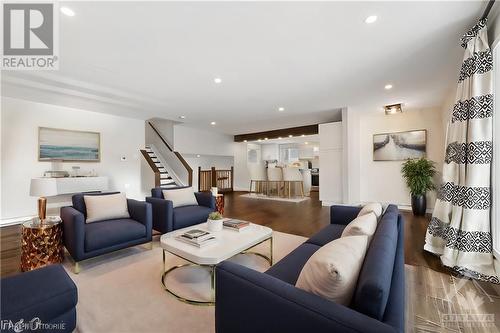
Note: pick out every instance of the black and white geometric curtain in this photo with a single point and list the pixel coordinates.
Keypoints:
(460, 229)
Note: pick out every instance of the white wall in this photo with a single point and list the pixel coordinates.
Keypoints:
(241, 173)
(188, 140)
(164, 126)
(120, 137)
(350, 156)
(381, 180)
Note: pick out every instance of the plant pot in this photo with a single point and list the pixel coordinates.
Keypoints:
(418, 205)
(215, 225)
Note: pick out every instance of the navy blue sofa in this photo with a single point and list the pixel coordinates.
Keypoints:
(46, 295)
(87, 240)
(249, 301)
(166, 218)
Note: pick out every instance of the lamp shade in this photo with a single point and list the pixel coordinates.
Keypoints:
(43, 187)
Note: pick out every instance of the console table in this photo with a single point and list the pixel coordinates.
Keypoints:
(69, 185)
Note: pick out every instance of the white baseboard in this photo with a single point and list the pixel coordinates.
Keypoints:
(331, 203)
(15, 220)
(400, 207)
(408, 208)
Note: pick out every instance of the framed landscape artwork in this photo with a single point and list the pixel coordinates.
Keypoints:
(68, 145)
(399, 146)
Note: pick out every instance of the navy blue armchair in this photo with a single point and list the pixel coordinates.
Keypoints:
(87, 240)
(166, 218)
(45, 296)
(248, 301)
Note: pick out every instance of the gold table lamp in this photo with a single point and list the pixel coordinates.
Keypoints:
(42, 188)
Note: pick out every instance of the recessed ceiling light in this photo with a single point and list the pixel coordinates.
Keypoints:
(371, 19)
(388, 86)
(182, 117)
(281, 109)
(198, 155)
(306, 143)
(245, 141)
(67, 11)
(217, 80)
(266, 139)
(303, 135)
(279, 137)
(290, 136)
(213, 123)
(259, 140)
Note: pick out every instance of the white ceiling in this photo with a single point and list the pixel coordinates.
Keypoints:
(146, 59)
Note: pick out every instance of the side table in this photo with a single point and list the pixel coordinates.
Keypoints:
(41, 243)
(219, 203)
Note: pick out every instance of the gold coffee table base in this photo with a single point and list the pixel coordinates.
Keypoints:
(211, 269)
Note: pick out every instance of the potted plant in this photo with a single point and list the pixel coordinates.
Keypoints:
(418, 175)
(215, 221)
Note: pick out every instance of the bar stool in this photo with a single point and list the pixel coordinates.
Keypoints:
(274, 177)
(258, 175)
(293, 176)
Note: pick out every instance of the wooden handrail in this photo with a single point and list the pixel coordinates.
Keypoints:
(179, 156)
(186, 165)
(222, 179)
(161, 136)
(153, 167)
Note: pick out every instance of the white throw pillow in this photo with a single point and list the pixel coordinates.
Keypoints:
(332, 271)
(362, 225)
(106, 207)
(181, 196)
(374, 207)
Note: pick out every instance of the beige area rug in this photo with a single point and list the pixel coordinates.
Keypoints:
(122, 291)
(437, 302)
(265, 197)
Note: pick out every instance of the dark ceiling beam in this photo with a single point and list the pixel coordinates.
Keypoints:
(275, 134)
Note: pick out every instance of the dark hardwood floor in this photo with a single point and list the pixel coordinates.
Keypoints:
(304, 219)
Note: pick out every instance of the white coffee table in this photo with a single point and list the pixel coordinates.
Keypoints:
(229, 243)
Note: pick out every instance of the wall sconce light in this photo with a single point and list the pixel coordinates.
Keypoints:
(393, 109)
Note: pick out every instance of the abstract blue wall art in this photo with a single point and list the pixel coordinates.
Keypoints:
(68, 145)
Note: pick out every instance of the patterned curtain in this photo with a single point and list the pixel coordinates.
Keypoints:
(459, 231)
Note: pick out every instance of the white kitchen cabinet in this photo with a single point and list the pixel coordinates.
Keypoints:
(306, 152)
(330, 163)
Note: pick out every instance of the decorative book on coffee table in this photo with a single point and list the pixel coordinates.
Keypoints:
(236, 225)
(197, 237)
